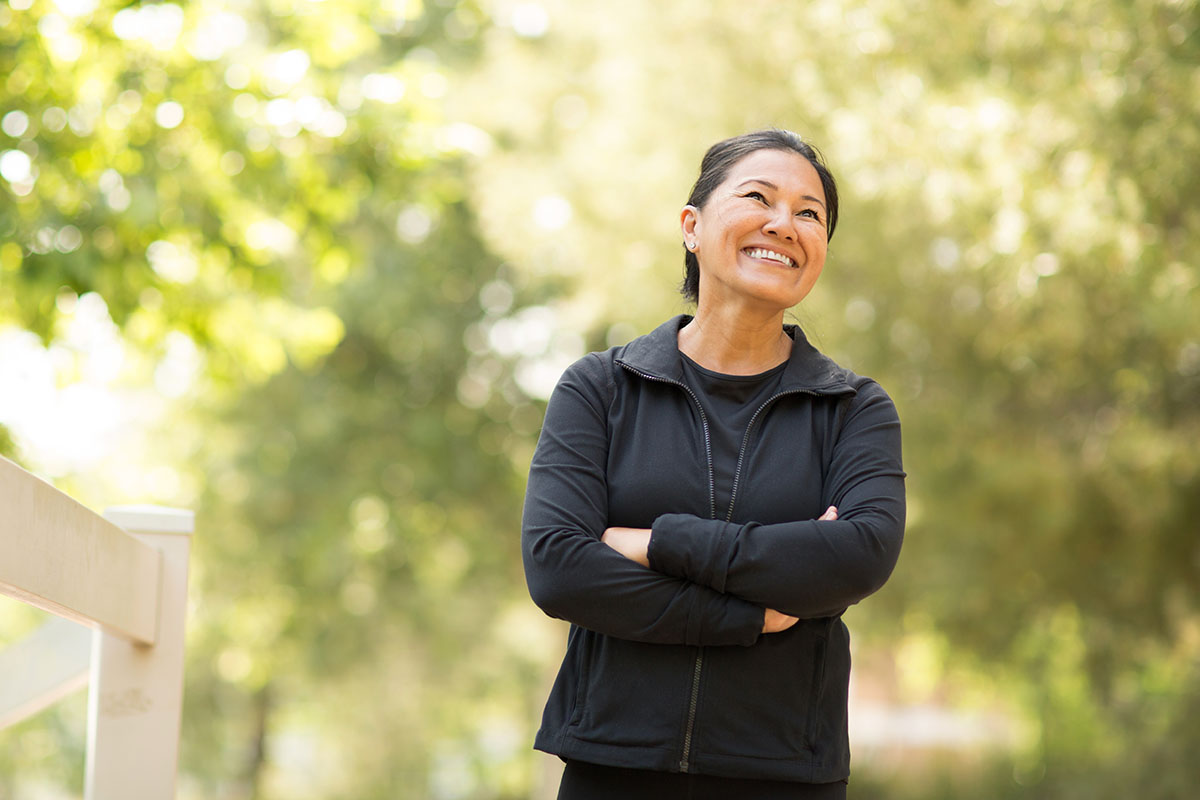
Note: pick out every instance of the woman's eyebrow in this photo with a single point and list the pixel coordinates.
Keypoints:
(770, 185)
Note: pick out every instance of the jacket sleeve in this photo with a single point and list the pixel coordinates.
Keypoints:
(807, 568)
(574, 576)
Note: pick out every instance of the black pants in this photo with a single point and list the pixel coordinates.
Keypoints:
(584, 781)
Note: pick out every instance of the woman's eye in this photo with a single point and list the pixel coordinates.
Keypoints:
(812, 214)
(756, 196)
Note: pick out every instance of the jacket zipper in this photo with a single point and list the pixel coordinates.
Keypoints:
(694, 701)
(737, 474)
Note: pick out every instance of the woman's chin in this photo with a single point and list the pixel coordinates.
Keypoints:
(774, 296)
(759, 291)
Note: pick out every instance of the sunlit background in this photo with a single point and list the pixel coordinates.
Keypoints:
(312, 268)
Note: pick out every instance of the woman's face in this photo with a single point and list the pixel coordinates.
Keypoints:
(761, 236)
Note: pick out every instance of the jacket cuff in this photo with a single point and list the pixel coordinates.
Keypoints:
(689, 547)
(734, 622)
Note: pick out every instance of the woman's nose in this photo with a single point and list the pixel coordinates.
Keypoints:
(781, 225)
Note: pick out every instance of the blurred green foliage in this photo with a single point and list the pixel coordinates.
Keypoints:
(385, 224)
(381, 618)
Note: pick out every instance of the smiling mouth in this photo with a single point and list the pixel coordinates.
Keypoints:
(769, 255)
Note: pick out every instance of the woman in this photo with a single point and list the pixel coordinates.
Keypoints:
(703, 505)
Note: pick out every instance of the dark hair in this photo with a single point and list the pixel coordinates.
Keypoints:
(721, 157)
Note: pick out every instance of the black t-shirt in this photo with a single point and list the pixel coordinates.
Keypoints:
(729, 403)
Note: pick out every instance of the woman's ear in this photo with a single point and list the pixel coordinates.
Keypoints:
(687, 222)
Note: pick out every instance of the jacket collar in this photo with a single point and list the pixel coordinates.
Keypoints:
(657, 355)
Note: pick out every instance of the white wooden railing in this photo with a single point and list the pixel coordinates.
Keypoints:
(123, 575)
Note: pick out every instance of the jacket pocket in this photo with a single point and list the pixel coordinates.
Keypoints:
(764, 701)
(579, 649)
(630, 693)
(818, 686)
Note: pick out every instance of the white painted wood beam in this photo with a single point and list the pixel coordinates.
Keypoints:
(60, 556)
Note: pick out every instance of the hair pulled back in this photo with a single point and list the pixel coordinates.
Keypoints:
(715, 166)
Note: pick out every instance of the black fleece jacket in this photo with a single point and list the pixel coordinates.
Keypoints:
(666, 667)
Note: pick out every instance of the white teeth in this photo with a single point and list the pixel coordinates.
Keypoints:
(760, 252)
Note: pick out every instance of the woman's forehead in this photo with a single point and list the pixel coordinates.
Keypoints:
(773, 165)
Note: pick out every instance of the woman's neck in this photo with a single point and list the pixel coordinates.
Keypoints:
(733, 343)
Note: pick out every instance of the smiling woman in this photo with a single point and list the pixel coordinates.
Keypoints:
(761, 237)
(703, 505)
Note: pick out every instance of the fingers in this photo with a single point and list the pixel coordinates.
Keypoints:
(830, 514)
(776, 621)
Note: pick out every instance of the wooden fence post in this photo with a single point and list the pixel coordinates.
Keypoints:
(136, 696)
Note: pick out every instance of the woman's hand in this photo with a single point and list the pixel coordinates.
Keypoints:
(830, 514)
(633, 543)
(776, 621)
